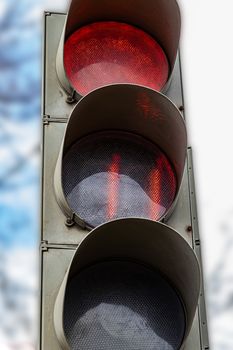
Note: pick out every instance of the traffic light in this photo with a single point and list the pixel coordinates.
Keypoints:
(120, 248)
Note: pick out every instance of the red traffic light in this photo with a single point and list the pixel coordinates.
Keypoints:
(105, 53)
(120, 159)
(111, 42)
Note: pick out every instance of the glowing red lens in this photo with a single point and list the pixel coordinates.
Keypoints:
(106, 53)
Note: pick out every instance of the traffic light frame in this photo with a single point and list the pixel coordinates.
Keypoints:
(59, 241)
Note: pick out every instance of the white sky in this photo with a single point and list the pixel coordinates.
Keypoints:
(207, 53)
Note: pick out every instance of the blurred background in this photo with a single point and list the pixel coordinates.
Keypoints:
(207, 55)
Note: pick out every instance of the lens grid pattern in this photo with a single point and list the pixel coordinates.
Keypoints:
(107, 176)
(121, 305)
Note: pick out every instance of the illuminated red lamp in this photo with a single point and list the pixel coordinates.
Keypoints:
(105, 53)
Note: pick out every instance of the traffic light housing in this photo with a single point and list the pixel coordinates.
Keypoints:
(142, 146)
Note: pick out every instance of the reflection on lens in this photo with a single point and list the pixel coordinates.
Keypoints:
(108, 176)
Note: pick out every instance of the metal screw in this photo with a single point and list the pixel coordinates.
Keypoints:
(69, 222)
(70, 100)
